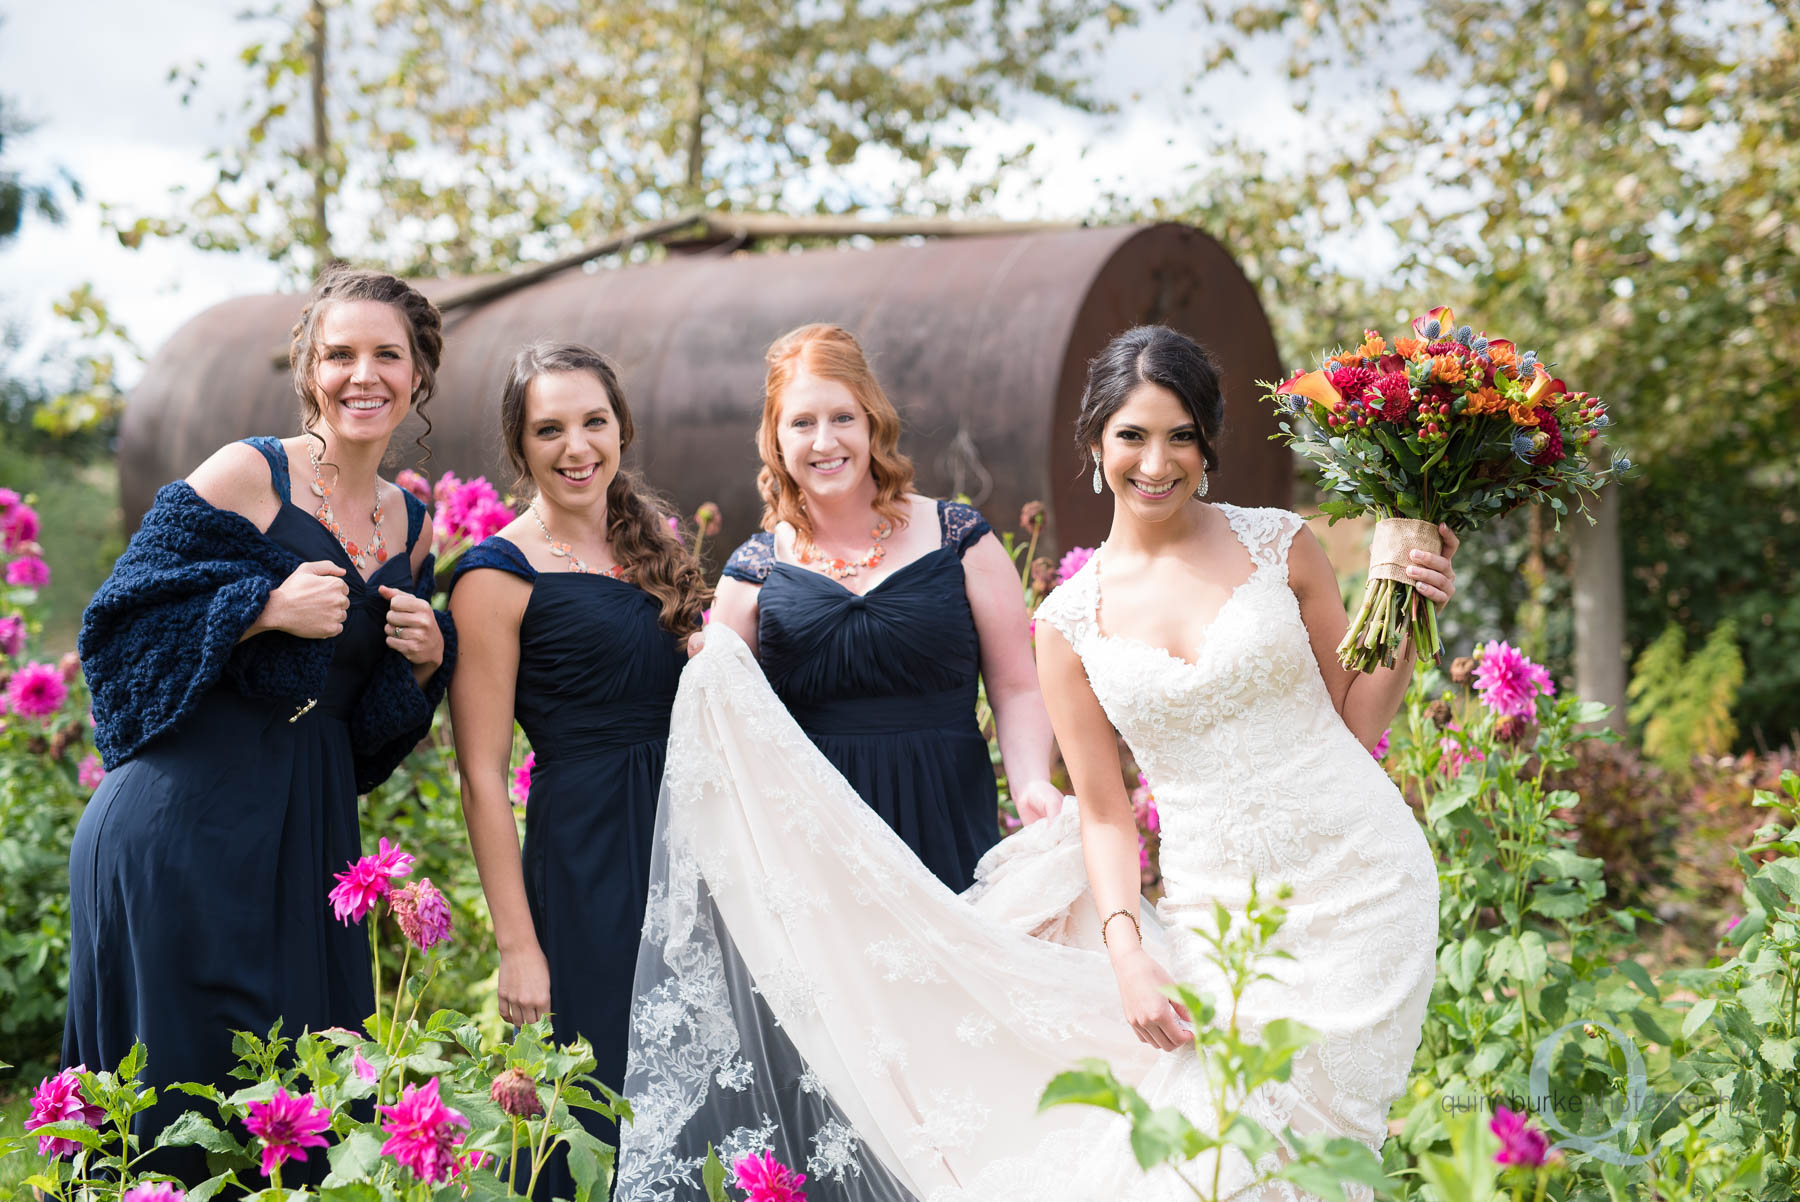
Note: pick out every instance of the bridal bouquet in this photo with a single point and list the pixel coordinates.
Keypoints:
(1446, 425)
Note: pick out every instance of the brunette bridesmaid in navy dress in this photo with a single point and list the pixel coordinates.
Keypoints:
(874, 612)
(264, 651)
(575, 619)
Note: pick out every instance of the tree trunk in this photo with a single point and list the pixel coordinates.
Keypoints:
(1599, 592)
(321, 147)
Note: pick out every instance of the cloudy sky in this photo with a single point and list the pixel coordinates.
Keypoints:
(94, 75)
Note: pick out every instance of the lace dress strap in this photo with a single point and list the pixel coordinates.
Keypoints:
(961, 526)
(1071, 608)
(276, 455)
(1266, 534)
(753, 559)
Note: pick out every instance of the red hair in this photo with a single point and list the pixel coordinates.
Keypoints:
(831, 353)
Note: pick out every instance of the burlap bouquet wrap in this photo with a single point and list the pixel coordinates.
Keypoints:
(1395, 539)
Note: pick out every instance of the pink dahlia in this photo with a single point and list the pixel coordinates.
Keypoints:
(766, 1179)
(1456, 755)
(90, 773)
(28, 571)
(36, 691)
(1072, 562)
(423, 1133)
(58, 1099)
(8, 499)
(1509, 683)
(12, 635)
(468, 509)
(366, 881)
(414, 483)
(422, 913)
(20, 526)
(521, 782)
(1143, 806)
(1380, 750)
(1520, 1142)
(155, 1191)
(287, 1126)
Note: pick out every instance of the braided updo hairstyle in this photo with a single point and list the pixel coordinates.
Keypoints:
(424, 335)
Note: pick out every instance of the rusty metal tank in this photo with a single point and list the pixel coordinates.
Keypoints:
(982, 342)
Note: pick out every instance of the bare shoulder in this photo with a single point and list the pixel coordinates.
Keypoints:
(489, 599)
(236, 477)
(1309, 568)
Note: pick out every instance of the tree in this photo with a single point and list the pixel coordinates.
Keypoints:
(470, 135)
(19, 196)
(1608, 180)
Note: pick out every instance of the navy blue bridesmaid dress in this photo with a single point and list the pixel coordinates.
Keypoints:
(199, 871)
(596, 683)
(884, 683)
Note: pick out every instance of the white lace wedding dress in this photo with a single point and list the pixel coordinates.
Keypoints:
(805, 986)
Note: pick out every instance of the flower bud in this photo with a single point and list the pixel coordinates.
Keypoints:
(1440, 713)
(1043, 575)
(1031, 518)
(1590, 1030)
(1462, 669)
(1513, 729)
(707, 518)
(70, 667)
(516, 1093)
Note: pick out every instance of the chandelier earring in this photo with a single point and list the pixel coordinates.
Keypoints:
(1201, 491)
(1096, 472)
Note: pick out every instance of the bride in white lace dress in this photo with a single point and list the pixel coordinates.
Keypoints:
(806, 987)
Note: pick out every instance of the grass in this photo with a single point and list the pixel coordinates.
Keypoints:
(17, 1166)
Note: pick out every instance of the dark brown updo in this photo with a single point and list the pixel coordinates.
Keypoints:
(1152, 355)
(424, 335)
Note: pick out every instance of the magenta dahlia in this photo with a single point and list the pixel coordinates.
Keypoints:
(1508, 683)
(1072, 562)
(287, 1125)
(20, 526)
(155, 1191)
(12, 635)
(366, 881)
(765, 1179)
(422, 912)
(59, 1099)
(521, 782)
(423, 1133)
(36, 691)
(1520, 1142)
(28, 571)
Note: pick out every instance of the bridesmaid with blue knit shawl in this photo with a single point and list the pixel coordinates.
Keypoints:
(264, 651)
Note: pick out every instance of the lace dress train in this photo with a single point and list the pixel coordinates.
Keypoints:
(798, 961)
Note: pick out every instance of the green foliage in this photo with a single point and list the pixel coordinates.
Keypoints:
(1239, 1062)
(498, 1155)
(1743, 1028)
(1684, 704)
(474, 137)
(18, 195)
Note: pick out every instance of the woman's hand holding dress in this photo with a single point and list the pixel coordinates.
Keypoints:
(311, 603)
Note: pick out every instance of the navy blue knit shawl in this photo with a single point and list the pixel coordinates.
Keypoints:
(164, 628)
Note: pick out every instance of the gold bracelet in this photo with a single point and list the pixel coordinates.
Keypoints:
(1134, 926)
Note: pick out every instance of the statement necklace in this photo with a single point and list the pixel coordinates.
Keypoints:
(563, 550)
(377, 544)
(839, 568)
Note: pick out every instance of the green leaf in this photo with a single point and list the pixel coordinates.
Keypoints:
(1159, 1136)
(355, 1191)
(1697, 1017)
(1093, 1085)
(1635, 973)
(194, 1128)
(354, 1158)
(713, 1175)
(1778, 1053)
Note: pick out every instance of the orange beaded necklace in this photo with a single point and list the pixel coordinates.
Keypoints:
(377, 542)
(839, 567)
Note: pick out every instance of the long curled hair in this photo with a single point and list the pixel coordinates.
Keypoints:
(637, 525)
(831, 353)
(424, 337)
